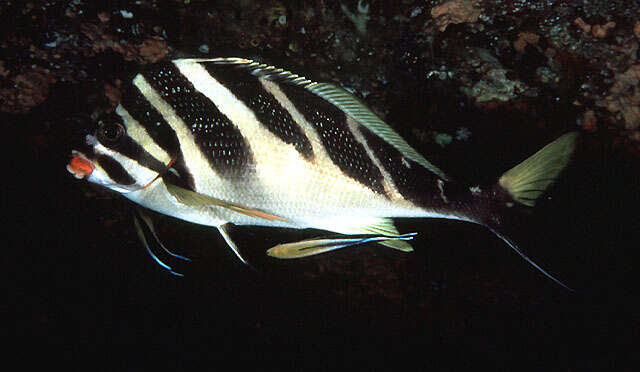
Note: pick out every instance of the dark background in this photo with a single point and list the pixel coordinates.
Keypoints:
(81, 292)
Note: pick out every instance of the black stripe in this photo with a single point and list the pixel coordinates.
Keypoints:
(247, 88)
(183, 178)
(415, 182)
(126, 146)
(161, 132)
(153, 122)
(133, 150)
(115, 171)
(331, 125)
(217, 138)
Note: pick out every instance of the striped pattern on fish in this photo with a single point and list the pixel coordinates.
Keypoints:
(235, 156)
(229, 140)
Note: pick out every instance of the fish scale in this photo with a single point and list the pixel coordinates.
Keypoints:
(268, 111)
(337, 140)
(205, 121)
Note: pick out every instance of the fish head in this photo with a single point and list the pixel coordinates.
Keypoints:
(116, 154)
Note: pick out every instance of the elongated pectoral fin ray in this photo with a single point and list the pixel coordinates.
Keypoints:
(143, 239)
(225, 235)
(315, 246)
(195, 199)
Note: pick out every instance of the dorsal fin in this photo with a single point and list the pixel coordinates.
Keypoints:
(340, 98)
(258, 69)
(367, 118)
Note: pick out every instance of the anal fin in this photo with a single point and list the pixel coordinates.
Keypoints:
(400, 245)
(386, 227)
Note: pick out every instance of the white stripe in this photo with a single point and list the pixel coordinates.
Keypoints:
(142, 175)
(195, 162)
(387, 182)
(306, 193)
(140, 135)
(397, 199)
(306, 128)
(279, 166)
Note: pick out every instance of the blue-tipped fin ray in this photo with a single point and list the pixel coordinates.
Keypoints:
(142, 236)
(319, 245)
(386, 227)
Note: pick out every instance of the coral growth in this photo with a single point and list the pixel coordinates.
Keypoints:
(597, 30)
(494, 52)
(624, 97)
(455, 11)
(28, 89)
(524, 39)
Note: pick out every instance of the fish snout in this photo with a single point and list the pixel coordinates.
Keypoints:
(79, 165)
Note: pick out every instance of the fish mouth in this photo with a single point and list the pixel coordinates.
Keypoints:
(79, 165)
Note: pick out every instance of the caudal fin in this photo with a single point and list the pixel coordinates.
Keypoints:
(528, 181)
(524, 184)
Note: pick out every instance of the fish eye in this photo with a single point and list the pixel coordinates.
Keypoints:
(110, 132)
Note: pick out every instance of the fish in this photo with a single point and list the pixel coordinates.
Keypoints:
(231, 141)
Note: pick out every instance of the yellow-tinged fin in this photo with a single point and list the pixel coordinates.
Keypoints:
(386, 227)
(340, 98)
(195, 199)
(399, 245)
(527, 181)
(315, 246)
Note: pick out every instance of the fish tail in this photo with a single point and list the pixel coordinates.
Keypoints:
(520, 187)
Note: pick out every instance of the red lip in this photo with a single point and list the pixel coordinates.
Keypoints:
(79, 166)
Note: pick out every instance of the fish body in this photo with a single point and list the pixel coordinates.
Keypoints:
(231, 141)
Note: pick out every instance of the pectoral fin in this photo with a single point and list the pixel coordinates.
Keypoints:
(315, 246)
(195, 199)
